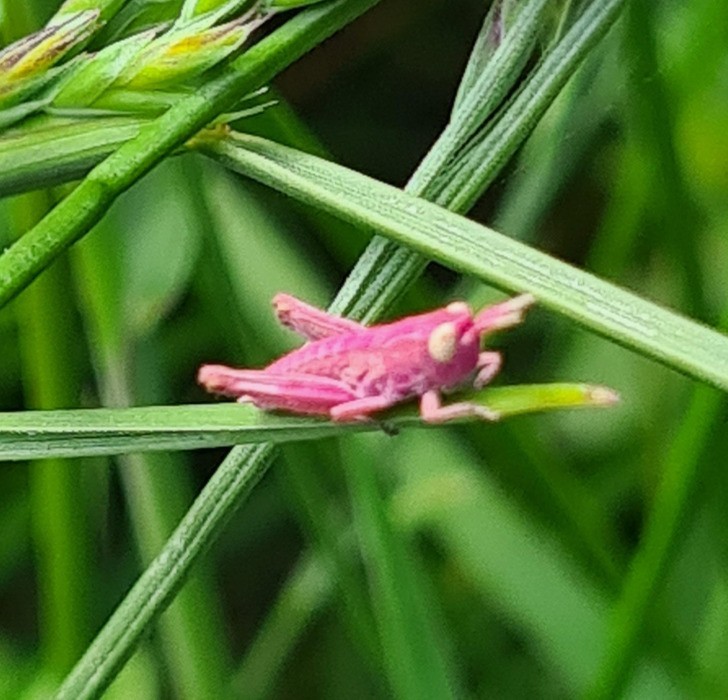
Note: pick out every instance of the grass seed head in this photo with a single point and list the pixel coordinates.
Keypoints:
(183, 54)
(24, 65)
(98, 72)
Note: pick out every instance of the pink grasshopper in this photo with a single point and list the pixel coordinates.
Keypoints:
(348, 371)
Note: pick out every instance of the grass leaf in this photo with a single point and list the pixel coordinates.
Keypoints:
(97, 431)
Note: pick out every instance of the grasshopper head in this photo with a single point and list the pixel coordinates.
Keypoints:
(447, 338)
(456, 339)
(454, 342)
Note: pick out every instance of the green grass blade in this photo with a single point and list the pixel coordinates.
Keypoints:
(518, 567)
(677, 216)
(157, 488)
(59, 521)
(417, 661)
(486, 43)
(489, 153)
(81, 209)
(464, 245)
(323, 521)
(52, 151)
(669, 517)
(482, 98)
(103, 431)
(163, 578)
(308, 589)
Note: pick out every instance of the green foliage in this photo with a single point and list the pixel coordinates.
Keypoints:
(552, 554)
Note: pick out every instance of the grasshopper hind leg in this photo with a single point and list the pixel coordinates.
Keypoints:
(359, 409)
(298, 393)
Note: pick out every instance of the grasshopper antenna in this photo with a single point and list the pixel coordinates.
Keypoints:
(504, 315)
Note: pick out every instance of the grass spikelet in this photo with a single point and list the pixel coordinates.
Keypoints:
(24, 65)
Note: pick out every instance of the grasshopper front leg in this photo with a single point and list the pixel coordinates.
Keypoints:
(489, 364)
(310, 322)
(432, 410)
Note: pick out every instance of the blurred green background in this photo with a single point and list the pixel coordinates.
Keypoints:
(514, 539)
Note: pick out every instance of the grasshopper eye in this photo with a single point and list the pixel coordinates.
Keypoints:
(442, 343)
(458, 307)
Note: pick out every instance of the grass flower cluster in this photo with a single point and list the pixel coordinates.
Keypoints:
(123, 77)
